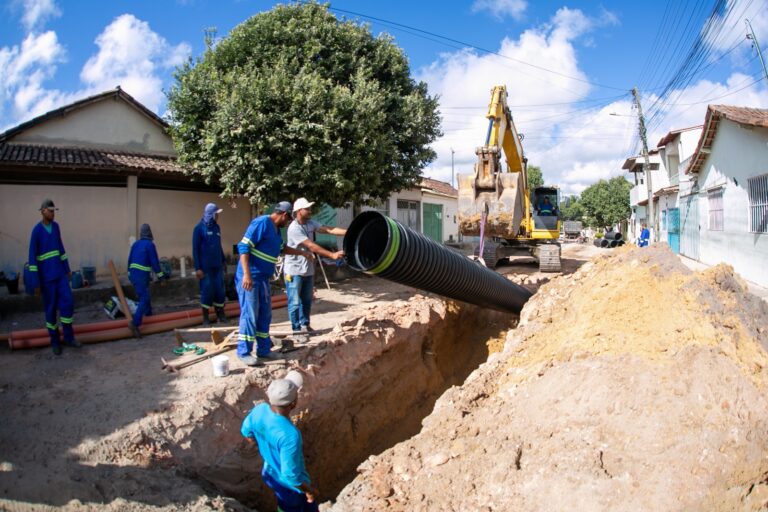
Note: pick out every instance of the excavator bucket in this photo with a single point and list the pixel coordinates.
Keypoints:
(492, 192)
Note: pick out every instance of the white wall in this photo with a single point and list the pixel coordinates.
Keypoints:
(450, 214)
(95, 225)
(737, 152)
(95, 126)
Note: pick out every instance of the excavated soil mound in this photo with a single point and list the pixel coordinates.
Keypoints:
(632, 385)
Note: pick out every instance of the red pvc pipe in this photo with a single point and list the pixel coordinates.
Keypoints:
(116, 324)
(117, 333)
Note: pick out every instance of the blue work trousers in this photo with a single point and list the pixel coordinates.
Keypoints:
(255, 316)
(288, 500)
(57, 297)
(299, 291)
(144, 308)
(212, 288)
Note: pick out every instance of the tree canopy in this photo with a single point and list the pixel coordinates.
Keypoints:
(295, 102)
(572, 209)
(606, 202)
(535, 178)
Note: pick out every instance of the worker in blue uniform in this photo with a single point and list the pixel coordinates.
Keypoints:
(49, 271)
(210, 262)
(259, 248)
(546, 207)
(645, 237)
(142, 261)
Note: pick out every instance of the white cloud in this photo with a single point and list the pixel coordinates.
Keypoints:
(575, 142)
(37, 12)
(130, 54)
(500, 9)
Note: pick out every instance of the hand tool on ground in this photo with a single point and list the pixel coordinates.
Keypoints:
(175, 367)
(120, 294)
(322, 269)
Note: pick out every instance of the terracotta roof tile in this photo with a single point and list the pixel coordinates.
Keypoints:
(55, 156)
(439, 186)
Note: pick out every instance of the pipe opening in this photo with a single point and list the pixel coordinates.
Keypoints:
(372, 242)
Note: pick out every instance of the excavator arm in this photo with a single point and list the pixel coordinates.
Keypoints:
(497, 189)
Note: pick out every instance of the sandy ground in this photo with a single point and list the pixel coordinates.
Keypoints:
(78, 430)
(634, 384)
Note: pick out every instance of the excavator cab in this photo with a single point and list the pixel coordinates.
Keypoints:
(545, 209)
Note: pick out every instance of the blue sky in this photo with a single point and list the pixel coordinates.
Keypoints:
(567, 65)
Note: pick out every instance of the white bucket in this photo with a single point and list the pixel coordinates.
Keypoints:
(220, 366)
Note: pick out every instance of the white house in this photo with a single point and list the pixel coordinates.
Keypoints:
(724, 216)
(638, 194)
(675, 150)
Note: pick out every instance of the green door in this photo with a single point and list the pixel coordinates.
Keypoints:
(433, 221)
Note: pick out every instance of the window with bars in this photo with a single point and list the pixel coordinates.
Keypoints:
(715, 209)
(757, 188)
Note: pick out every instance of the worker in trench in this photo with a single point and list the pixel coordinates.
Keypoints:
(142, 261)
(210, 262)
(50, 275)
(299, 272)
(280, 445)
(259, 248)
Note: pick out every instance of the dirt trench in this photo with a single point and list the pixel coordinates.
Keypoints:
(366, 388)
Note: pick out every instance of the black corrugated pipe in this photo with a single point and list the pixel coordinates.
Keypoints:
(612, 235)
(381, 246)
(613, 243)
(601, 242)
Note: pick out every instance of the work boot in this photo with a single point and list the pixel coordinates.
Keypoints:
(56, 350)
(221, 315)
(249, 360)
(272, 356)
(134, 330)
(206, 320)
(73, 343)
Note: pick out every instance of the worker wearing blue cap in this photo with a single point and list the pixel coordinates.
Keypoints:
(210, 262)
(259, 248)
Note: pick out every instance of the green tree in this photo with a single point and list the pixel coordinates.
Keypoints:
(606, 202)
(535, 178)
(294, 102)
(572, 209)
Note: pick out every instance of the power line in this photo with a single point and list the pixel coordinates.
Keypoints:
(473, 46)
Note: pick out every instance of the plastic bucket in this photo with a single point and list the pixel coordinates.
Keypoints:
(77, 280)
(89, 274)
(220, 365)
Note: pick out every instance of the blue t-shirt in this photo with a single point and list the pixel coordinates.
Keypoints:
(279, 444)
(262, 242)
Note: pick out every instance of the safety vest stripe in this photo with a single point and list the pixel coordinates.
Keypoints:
(140, 267)
(262, 335)
(206, 306)
(51, 254)
(246, 240)
(33, 268)
(52, 327)
(64, 257)
(263, 256)
(216, 304)
(66, 319)
(245, 337)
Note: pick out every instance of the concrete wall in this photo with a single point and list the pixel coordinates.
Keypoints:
(94, 126)
(96, 225)
(737, 154)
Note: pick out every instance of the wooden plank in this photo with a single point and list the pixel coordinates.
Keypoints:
(120, 294)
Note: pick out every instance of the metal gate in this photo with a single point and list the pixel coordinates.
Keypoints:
(689, 226)
(673, 229)
(433, 221)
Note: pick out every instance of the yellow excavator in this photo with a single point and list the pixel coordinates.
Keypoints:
(497, 204)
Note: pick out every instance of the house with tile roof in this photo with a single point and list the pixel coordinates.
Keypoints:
(724, 214)
(109, 165)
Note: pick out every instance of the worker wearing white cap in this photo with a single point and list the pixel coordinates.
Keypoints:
(299, 272)
(280, 445)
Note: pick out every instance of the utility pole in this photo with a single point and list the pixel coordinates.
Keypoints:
(452, 152)
(647, 163)
(751, 36)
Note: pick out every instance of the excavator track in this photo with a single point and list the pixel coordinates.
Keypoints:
(548, 256)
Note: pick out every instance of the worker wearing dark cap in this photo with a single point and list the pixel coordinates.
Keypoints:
(49, 271)
(209, 262)
(259, 248)
(280, 445)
